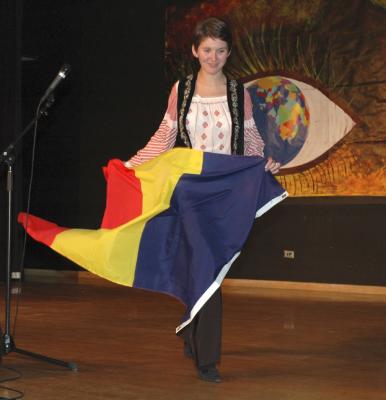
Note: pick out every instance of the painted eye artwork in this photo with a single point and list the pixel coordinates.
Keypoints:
(289, 115)
(316, 73)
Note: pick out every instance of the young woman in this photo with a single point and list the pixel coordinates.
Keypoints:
(209, 112)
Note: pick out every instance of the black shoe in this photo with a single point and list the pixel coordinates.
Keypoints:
(209, 374)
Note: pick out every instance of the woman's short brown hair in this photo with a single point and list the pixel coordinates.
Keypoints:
(214, 28)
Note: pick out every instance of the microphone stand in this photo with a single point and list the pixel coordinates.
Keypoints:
(7, 344)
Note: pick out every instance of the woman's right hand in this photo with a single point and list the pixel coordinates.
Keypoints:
(272, 166)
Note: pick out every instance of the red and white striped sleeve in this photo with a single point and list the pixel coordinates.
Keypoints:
(164, 138)
(253, 143)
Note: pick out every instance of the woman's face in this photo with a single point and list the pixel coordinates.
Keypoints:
(212, 55)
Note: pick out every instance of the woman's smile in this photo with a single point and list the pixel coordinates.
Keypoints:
(212, 54)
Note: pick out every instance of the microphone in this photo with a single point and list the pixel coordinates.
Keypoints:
(62, 74)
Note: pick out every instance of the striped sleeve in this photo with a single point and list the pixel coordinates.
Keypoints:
(253, 143)
(164, 138)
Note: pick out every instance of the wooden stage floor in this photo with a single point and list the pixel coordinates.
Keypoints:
(277, 345)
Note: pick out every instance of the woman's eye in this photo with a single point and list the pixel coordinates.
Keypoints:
(297, 122)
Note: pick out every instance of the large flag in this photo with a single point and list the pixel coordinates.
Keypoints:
(174, 224)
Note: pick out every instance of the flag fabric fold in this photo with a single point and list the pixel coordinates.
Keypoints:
(174, 224)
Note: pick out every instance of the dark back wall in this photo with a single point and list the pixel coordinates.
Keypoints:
(10, 97)
(110, 105)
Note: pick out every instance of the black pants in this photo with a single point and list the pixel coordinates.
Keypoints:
(203, 334)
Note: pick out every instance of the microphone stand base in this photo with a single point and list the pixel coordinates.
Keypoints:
(8, 346)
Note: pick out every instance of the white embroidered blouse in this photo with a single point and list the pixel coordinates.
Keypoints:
(209, 126)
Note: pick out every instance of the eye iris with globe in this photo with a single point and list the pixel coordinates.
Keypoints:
(281, 116)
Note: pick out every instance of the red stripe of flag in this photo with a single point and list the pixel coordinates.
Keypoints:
(124, 195)
(40, 229)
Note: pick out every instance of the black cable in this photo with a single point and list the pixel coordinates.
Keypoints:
(12, 378)
(19, 394)
(21, 264)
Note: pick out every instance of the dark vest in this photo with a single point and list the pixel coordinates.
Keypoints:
(235, 95)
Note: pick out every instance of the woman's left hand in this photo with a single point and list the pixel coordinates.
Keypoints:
(272, 166)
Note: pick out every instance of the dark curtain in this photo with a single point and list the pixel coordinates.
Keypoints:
(108, 107)
(10, 107)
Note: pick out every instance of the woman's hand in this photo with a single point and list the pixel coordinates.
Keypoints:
(272, 166)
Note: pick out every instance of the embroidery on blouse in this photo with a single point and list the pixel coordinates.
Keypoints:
(235, 112)
(187, 90)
